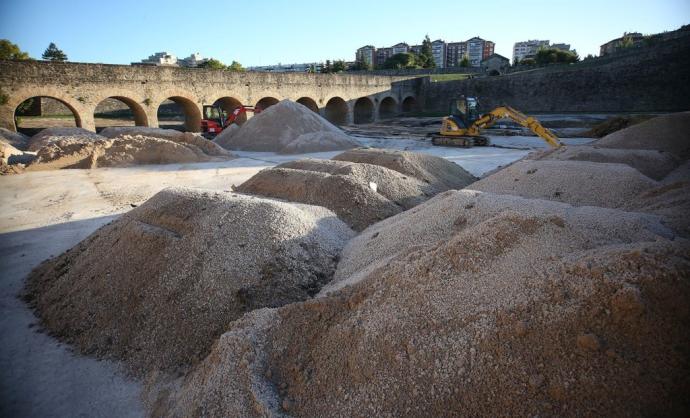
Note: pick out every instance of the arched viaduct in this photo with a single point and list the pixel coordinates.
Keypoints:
(343, 99)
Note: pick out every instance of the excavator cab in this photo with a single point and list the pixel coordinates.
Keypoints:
(464, 111)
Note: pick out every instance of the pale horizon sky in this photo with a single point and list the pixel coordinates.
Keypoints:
(272, 31)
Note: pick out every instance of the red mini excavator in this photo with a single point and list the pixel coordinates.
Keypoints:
(216, 119)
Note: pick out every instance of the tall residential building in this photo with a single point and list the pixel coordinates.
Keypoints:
(367, 55)
(455, 51)
(416, 49)
(562, 47)
(525, 48)
(400, 48)
(382, 54)
(438, 51)
(475, 50)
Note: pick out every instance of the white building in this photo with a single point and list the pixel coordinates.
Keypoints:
(193, 60)
(160, 58)
(400, 48)
(525, 48)
(438, 51)
(475, 51)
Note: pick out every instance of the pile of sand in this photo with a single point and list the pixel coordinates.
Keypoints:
(532, 307)
(286, 128)
(439, 173)
(15, 139)
(50, 135)
(123, 151)
(157, 286)
(357, 204)
(223, 139)
(652, 163)
(117, 131)
(668, 133)
(578, 183)
(405, 191)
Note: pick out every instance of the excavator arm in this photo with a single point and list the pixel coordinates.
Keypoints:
(501, 112)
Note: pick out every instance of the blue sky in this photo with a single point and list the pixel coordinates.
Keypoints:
(271, 31)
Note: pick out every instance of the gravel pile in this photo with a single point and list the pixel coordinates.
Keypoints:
(668, 133)
(578, 183)
(50, 135)
(532, 307)
(403, 190)
(116, 131)
(440, 174)
(122, 151)
(355, 203)
(441, 217)
(156, 287)
(287, 128)
(651, 163)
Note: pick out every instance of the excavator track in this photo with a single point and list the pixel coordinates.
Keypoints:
(462, 141)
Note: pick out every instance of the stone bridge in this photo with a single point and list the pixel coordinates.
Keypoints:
(342, 99)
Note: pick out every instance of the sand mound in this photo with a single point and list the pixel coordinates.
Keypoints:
(123, 151)
(355, 203)
(614, 124)
(223, 138)
(578, 183)
(682, 173)
(16, 139)
(157, 286)
(558, 311)
(49, 135)
(670, 201)
(288, 127)
(651, 163)
(440, 174)
(405, 191)
(442, 216)
(115, 131)
(669, 133)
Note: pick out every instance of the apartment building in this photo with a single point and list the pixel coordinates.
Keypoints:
(367, 55)
(438, 51)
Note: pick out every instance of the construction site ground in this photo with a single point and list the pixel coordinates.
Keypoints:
(45, 213)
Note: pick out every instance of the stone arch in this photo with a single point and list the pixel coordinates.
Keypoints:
(310, 103)
(33, 106)
(229, 104)
(336, 111)
(265, 103)
(192, 115)
(409, 104)
(132, 110)
(363, 110)
(388, 108)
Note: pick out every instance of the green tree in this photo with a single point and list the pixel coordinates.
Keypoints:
(425, 59)
(465, 61)
(555, 56)
(10, 51)
(339, 66)
(528, 61)
(235, 66)
(326, 69)
(53, 53)
(361, 66)
(213, 64)
(399, 61)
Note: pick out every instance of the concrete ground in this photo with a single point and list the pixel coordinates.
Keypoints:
(44, 213)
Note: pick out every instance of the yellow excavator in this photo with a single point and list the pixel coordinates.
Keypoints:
(462, 128)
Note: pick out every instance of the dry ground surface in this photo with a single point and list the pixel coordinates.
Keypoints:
(45, 213)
